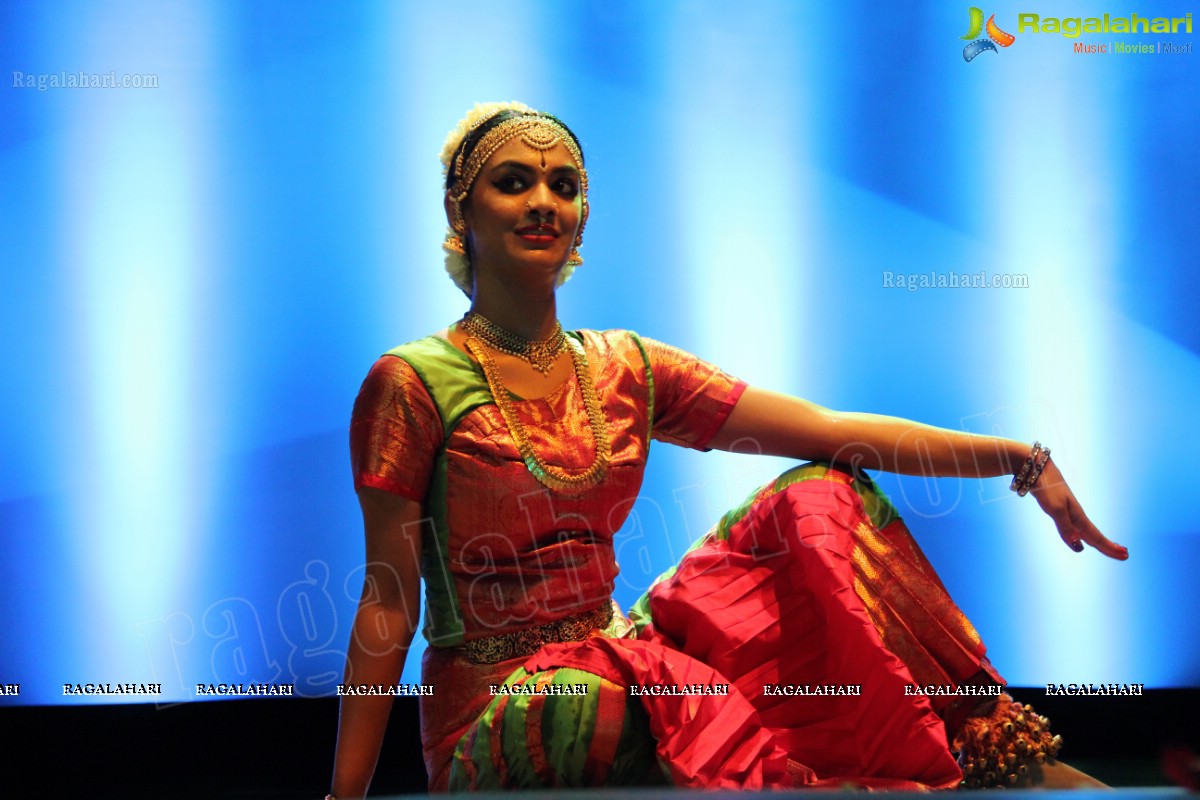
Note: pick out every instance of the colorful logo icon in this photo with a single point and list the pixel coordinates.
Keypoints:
(994, 37)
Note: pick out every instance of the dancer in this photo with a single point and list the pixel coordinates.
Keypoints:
(497, 458)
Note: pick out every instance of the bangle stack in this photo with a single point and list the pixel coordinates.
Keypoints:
(1031, 470)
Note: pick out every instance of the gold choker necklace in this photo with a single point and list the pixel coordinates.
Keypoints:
(549, 476)
(540, 355)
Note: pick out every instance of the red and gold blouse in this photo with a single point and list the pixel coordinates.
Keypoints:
(500, 551)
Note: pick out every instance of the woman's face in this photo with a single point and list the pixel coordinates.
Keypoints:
(524, 209)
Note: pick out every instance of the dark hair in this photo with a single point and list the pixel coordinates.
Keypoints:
(469, 141)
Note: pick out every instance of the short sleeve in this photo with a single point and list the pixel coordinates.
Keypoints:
(395, 431)
(692, 398)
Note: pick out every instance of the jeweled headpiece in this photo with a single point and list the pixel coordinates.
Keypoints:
(476, 138)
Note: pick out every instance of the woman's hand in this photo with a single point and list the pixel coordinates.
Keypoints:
(1057, 500)
(778, 425)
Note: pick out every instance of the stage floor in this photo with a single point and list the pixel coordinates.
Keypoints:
(283, 750)
(1148, 793)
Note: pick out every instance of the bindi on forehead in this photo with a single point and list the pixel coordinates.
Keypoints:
(517, 150)
(538, 153)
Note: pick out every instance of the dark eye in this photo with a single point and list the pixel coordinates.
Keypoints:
(510, 184)
(566, 187)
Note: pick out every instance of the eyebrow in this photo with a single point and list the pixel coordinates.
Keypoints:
(514, 164)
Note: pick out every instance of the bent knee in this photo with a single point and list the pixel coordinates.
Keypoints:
(558, 727)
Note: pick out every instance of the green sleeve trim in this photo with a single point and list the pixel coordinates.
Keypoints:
(452, 379)
(456, 387)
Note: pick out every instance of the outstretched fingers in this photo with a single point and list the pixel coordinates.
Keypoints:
(1076, 529)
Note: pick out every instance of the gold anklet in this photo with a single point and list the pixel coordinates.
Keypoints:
(996, 750)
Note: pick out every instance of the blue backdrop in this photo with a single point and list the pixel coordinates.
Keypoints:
(200, 264)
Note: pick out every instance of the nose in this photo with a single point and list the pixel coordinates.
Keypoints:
(541, 201)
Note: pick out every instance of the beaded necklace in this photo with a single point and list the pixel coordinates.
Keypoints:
(540, 355)
(549, 476)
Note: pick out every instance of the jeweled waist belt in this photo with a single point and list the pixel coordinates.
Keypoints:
(527, 641)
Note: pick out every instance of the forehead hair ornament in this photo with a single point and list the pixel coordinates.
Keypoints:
(536, 132)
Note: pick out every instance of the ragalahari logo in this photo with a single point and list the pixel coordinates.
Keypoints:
(994, 37)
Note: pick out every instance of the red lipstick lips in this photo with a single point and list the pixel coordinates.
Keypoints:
(538, 234)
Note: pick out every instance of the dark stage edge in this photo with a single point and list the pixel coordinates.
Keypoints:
(282, 749)
(1149, 793)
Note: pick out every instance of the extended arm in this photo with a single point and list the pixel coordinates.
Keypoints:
(383, 630)
(776, 424)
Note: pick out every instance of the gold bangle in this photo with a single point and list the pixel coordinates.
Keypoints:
(1027, 476)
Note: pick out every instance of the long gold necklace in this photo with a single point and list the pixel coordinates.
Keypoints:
(540, 355)
(550, 476)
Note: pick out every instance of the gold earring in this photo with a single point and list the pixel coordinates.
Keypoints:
(575, 259)
(454, 243)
